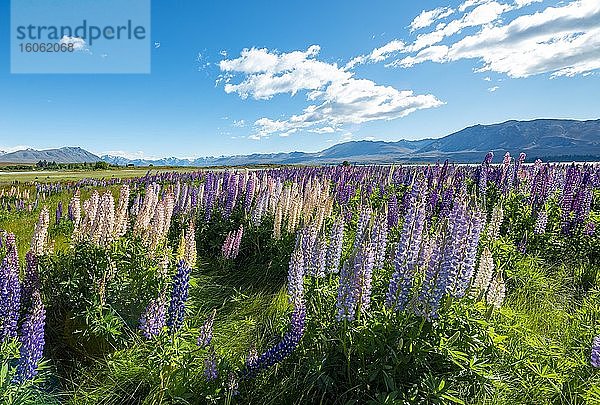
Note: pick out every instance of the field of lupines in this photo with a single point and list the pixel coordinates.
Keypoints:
(346, 284)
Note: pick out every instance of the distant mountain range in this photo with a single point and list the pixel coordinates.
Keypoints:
(549, 139)
(62, 155)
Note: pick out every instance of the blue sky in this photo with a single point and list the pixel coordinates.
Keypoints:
(262, 76)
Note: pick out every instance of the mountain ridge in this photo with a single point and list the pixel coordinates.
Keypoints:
(547, 138)
(67, 154)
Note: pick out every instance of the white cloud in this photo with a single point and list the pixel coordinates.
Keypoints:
(482, 14)
(563, 40)
(428, 17)
(239, 123)
(437, 53)
(269, 73)
(523, 3)
(378, 54)
(78, 43)
(493, 89)
(323, 130)
(487, 79)
(339, 98)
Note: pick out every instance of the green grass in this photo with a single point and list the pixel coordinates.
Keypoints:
(50, 176)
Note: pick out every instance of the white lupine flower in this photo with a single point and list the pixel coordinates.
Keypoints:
(493, 230)
(121, 215)
(40, 233)
(75, 208)
(496, 291)
(484, 273)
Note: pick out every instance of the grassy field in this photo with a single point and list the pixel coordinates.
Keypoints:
(74, 175)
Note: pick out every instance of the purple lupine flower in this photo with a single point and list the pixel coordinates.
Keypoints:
(227, 247)
(249, 194)
(31, 281)
(446, 205)
(510, 178)
(363, 273)
(346, 299)
(237, 240)
(179, 296)
(354, 290)
(10, 290)
(428, 302)
(540, 187)
(308, 237)
(231, 195)
(209, 191)
(392, 213)
(295, 287)
(284, 348)
(595, 355)
(583, 199)
(364, 217)
(297, 319)
(59, 212)
(319, 257)
(336, 241)
(152, 320)
(483, 173)
(505, 165)
(456, 240)
(210, 365)
(379, 241)
(206, 331)
(31, 336)
(540, 223)
(568, 194)
(468, 253)
(590, 228)
(407, 252)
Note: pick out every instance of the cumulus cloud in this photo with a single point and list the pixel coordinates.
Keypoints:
(562, 40)
(493, 89)
(338, 97)
(269, 73)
